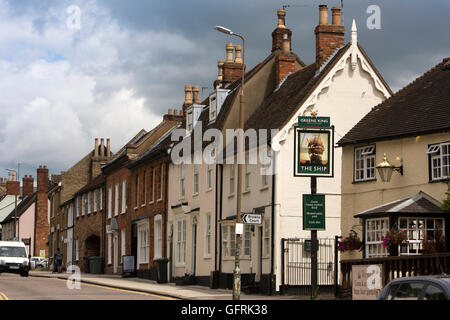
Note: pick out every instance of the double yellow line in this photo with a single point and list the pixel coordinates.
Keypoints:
(3, 296)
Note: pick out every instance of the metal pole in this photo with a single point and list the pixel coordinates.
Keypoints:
(313, 247)
(336, 264)
(237, 270)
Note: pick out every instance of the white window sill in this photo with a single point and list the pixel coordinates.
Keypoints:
(231, 195)
(135, 208)
(180, 265)
(264, 188)
(159, 200)
(207, 257)
(151, 202)
(123, 212)
(208, 190)
(142, 205)
(246, 191)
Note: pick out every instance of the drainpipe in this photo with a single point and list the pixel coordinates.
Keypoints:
(272, 244)
(215, 218)
(166, 209)
(220, 215)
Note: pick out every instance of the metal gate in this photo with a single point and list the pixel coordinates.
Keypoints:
(296, 266)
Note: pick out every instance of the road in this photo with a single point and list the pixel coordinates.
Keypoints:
(14, 287)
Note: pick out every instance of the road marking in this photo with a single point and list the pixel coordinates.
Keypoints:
(121, 290)
(3, 296)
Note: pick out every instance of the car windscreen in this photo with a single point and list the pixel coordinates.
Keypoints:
(16, 252)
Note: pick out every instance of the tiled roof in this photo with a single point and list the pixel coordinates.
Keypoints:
(423, 106)
(420, 203)
(21, 207)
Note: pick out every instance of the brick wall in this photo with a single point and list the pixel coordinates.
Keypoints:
(28, 187)
(284, 64)
(41, 220)
(328, 39)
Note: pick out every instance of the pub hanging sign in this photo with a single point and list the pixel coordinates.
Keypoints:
(314, 147)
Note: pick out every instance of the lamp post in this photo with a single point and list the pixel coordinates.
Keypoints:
(237, 270)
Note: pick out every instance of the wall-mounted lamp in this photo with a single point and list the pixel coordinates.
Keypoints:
(385, 169)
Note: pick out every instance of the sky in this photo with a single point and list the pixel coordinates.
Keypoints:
(120, 66)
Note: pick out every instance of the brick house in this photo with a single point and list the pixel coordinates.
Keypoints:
(61, 206)
(88, 213)
(122, 204)
(32, 213)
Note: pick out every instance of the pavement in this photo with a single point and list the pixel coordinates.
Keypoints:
(170, 290)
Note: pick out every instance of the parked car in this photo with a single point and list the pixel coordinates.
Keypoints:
(417, 288)
(38, 262)
(13, 258)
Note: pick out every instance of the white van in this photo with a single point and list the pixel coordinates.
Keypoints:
(13, 258)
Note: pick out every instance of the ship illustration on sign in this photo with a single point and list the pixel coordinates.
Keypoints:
(314, 149)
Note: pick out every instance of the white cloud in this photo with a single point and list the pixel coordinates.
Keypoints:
(61, 88)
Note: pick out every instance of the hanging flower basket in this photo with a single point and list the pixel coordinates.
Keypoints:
(352, 242)
(394, 237)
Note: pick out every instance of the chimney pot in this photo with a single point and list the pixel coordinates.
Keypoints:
(195, 91)
(108, 147)
(96, 147)
(285, 46)
(169, 111)
(175, 112)
(220, 69)
(238, 58)
(323, 14)
(187, 94)
(102, 147)
(181, 112)
(336, 15)
(281, 18)
(229, 49)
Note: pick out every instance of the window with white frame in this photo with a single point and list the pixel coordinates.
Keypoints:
(266, 238)
(110, 202)
(232, 173)
(77, 203)
(161, 183)
(109, 248)
(375, 230)
(116, 200)
(124, 196)
(247, 176)
(209, 170)
(77, 250)
(364, 168)
(419, 230)
(83, 204)
(266, 168)
(439, 160)
(229, 240)
(212, 107)
(246, 240)
(181, 242)
(123, 243)
(208, 235)
(157, 246)
(189, 120)
(152, 196)
(101, 198)
(89, 195)
(195, 179)
(182, 190)
(143, 242)
(95, 201)
(137, 191)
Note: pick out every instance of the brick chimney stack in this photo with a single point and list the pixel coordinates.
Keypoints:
(187, 97)
(42, 216)
(27, 185)
(329, 37)
(173, 115)
(280, 31)
(195, 94)
(284, 61)
(232, 69)
(12, 186)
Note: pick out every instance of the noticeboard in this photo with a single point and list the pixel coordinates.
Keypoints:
(367, 281)
(128, 264)
(313, 212)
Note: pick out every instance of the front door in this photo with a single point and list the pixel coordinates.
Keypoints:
(116, 252)
(69, 252)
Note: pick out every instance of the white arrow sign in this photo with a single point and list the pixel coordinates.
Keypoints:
(252, 218)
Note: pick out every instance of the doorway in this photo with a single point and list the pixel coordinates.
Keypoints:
(116, 252)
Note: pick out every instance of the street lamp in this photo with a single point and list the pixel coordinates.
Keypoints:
(237, 270)
(385, 169)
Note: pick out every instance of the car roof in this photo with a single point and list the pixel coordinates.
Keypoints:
(443, 279)
(11, 244)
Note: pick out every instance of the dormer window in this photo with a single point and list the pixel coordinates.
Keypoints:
(439, 158)
(212, 107)
(189, 120)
